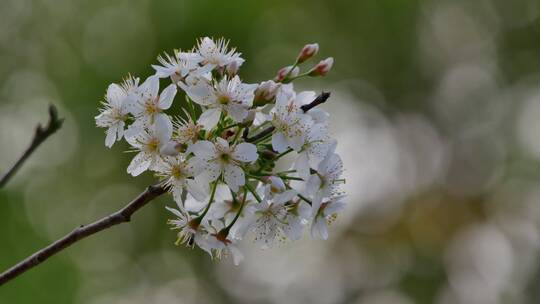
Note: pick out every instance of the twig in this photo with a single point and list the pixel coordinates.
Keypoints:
(81, 232)
(322, 98)
(40, 135)
(261, 134)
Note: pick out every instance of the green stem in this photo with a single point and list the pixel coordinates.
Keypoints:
(239, 211)
(250, 189)
(307, 200)
(191, 109)
(283, 154)
(286, 79)
(237, 135)
(263, 139)
(290, 177)
(230, 126)
(200, 217)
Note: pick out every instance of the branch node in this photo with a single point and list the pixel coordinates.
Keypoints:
(41, 133)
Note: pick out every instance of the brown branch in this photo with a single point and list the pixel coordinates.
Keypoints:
(81, 232)
(40, 135)
(322, 98)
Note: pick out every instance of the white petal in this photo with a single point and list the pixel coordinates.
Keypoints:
(297, 142)
(198, 189)
(222, 193)
(177, 195)
(152, 85)
(202, 149)
(163, 128)
(218, 210)
(245, 152)
(115, 95)
(169, 149)
(120, 130)
(334, 208)
(312, 184)
(210, 118)
(284, 197)
(111, 136)
(305, 97)
(194, 205)
(140, 163)
(319, 229)
(234, 177)
(202, 92)
(236, 255)
(319, 116)
(175, 212)
(279, 142)
(302, 165)
(212, 171)
(284, 94)
(167, 96)
(304, 210)
(222, 144)
(237, 112)
(163, 72)
(134, 129)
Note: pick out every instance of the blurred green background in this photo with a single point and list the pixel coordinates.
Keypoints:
(435, 104)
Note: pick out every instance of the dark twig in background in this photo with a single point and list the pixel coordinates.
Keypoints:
(81, 232)
(40, 135)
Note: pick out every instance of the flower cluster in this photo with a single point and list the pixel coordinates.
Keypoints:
(219, 156)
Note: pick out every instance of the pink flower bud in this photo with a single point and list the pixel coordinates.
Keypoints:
(284, 72)
(308, 51)
(322, 68)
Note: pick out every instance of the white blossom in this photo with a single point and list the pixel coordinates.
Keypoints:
(189, 231)
(218, 245)
(327, 179)
(291, 124)
(179, 66)
(186, 131)
(148, 104)
(216, 53)
(216, 159)
(229, 96)
(325, 215)
(115, 109)
(148, 142)
(315, 148)
(177, 173)
(208, 159)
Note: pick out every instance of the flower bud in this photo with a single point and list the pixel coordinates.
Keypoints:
(250, 117)
(266, 91)
(322, 68)
(268, 154)
(232, 68)
(286, 72)
(308, 51)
